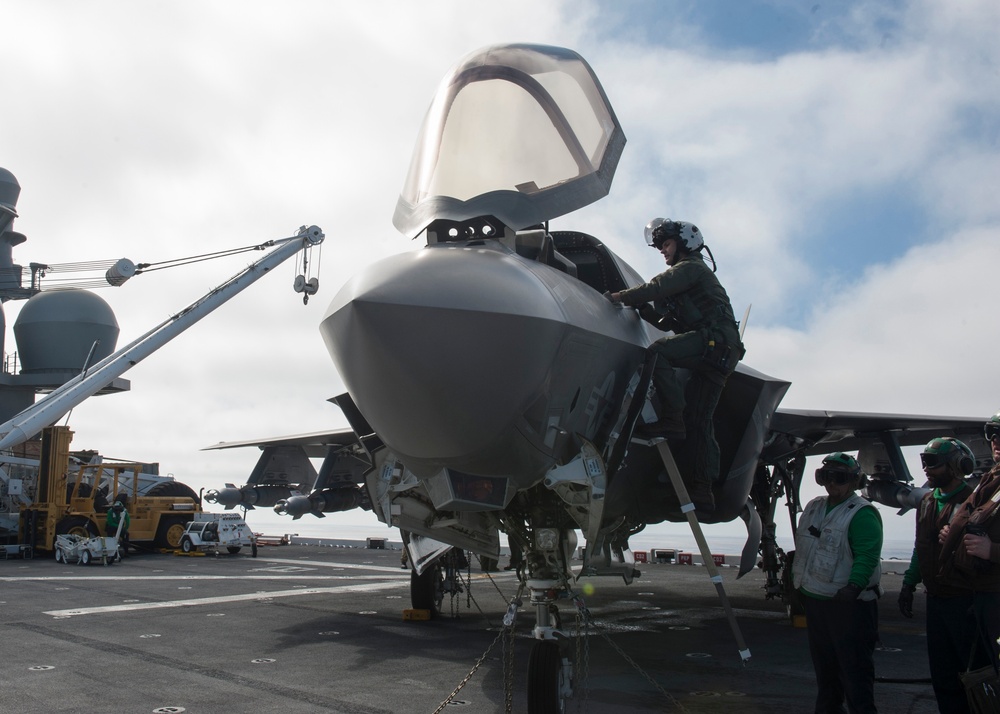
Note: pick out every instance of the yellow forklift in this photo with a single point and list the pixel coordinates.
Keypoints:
(76, 500)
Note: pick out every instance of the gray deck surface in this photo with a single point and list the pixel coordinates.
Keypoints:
(320, 629)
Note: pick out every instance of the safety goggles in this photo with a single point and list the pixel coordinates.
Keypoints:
(991, 431)
(826, 476)
(932, 461)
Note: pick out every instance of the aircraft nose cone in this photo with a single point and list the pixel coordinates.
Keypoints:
(444, 349)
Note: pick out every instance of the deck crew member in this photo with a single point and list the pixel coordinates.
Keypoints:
(972, 546)
(836, 569)
(950, 628)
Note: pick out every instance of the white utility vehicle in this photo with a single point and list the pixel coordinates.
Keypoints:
(213, 531)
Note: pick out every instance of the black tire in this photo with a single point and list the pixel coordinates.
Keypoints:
(545, 679)
(234, 549)
(253, 550)
(186, 545)
(175, 489)
(170, 531)
(59, 556)
(426, 591)
(78, 525)
(85, 557)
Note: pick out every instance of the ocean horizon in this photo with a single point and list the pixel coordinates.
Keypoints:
(677, 536)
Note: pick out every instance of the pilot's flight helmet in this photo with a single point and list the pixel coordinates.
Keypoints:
(945, 451)
(992, 427)
(838, 467)
(687, 234)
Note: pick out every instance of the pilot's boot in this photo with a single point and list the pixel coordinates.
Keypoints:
(669, 426)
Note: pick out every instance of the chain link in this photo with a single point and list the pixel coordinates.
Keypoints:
(640, 670)
(584, 627)
(465, 680)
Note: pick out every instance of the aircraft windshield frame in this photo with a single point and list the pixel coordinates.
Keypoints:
(521, 132)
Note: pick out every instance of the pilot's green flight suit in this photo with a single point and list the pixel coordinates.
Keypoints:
(690, 300)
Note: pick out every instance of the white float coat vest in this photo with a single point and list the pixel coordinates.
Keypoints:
(823, 563)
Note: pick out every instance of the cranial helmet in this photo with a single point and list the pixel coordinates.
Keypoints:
(687, 234)
(838, 467)
(945, 451)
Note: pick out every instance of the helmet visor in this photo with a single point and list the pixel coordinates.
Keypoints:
(932, 461)
(657, 232)
(825, 476)
(991, 430)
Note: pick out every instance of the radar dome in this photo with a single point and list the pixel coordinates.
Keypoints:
(55, 331)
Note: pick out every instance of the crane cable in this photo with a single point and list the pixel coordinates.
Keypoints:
(91, 282)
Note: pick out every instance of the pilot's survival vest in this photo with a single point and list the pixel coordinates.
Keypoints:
(823, 557)
(703, 306)
(691, 298)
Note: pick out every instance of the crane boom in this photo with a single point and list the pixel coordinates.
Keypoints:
(60, 401)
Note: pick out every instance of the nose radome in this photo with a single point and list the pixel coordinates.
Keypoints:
(443, 349)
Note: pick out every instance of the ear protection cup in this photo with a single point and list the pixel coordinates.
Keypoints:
(963, 458)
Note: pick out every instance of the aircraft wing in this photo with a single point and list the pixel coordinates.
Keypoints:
(315, 444)
(284, 473)
(828, 431)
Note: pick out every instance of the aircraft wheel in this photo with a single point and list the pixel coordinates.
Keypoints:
(234, 549)
(545, 679)
(186, 545)
(426, 590)
(85, 557)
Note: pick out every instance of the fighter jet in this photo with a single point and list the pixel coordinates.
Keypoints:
(491, 387)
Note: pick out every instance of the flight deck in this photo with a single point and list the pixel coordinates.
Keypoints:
(322, 629)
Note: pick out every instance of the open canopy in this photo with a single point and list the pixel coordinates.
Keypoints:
(524, 133)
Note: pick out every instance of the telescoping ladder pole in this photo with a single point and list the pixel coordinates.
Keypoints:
(687, 508)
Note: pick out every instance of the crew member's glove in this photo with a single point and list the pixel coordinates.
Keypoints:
(649, 313)
(906, 600)
(848, 593)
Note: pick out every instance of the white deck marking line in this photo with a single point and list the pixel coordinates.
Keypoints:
(313, 564)
(283, 576)
(132, 607)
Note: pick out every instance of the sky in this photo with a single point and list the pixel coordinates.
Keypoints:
(841, 158)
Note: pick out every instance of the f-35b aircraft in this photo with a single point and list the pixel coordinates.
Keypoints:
(491, 388)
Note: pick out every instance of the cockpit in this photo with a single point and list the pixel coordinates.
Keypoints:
(518, 133)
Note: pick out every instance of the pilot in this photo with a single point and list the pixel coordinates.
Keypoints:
(836, 570)
(687, 299)
(950, 629)
(971, 545)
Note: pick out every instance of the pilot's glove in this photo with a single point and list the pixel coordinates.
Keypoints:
(848, 593)
(906, 600)
(649, 313)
